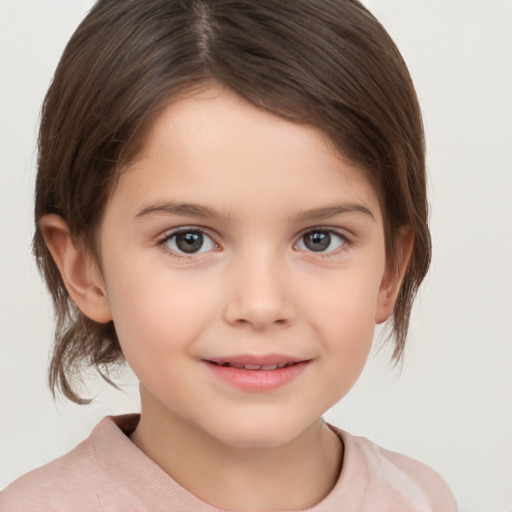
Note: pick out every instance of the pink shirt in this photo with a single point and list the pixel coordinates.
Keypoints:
(108, 473)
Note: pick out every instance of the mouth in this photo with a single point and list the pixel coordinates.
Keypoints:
(255, 367)
(257, 374)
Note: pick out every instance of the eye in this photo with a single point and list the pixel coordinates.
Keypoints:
(320, 240)
(190, 241)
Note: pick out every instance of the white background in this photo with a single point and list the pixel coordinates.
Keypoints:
(451, 407)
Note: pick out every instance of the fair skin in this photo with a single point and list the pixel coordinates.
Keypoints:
(280, 258)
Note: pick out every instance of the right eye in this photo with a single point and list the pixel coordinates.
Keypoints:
(189, 241)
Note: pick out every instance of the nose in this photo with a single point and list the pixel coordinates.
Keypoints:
(259, 295)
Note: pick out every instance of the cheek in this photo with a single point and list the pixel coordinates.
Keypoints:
(344, 318)
(347, 345)
(348, 333)
(162, 310)
(347, 300)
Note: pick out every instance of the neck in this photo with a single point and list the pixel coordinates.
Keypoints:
(293, 476)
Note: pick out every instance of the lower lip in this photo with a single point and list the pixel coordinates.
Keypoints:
(257, 381)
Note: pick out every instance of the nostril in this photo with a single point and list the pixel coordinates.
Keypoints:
(261, 323)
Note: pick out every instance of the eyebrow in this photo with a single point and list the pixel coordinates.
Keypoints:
(178, 209)
(205, 212)
(334, 210)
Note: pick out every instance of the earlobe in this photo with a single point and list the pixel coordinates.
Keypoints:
(80, 275)
(394, 274)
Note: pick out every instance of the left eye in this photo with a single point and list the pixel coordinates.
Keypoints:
(320, 240)
(189, 242)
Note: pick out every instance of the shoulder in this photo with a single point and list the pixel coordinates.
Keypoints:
(394, 481)
(67, 482)
(53, 485)
(105, 472)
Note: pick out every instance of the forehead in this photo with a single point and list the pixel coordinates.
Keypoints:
(216, 147)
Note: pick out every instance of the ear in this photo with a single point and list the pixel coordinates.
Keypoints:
(394, 274)
(79, 273)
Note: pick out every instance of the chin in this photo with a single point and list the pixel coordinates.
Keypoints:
(259, 433)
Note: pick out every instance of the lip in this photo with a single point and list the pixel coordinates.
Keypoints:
(257, 380)
(254, 359)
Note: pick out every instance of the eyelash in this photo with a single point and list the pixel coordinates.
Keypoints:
(344, 245)
(345, 242)
(184, 230)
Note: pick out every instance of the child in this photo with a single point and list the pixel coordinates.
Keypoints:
(230, 195)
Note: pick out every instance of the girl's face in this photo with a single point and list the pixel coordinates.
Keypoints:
(244, 269)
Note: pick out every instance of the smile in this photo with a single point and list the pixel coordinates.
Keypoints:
(266, 367)
(257, 374)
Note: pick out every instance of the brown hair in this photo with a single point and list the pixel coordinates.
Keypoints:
(325, 63)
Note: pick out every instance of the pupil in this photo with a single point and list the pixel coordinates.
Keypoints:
(189, 242)
(317, 240)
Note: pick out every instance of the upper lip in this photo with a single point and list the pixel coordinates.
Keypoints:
(260, 360)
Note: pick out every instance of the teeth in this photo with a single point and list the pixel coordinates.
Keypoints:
(267, 367)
